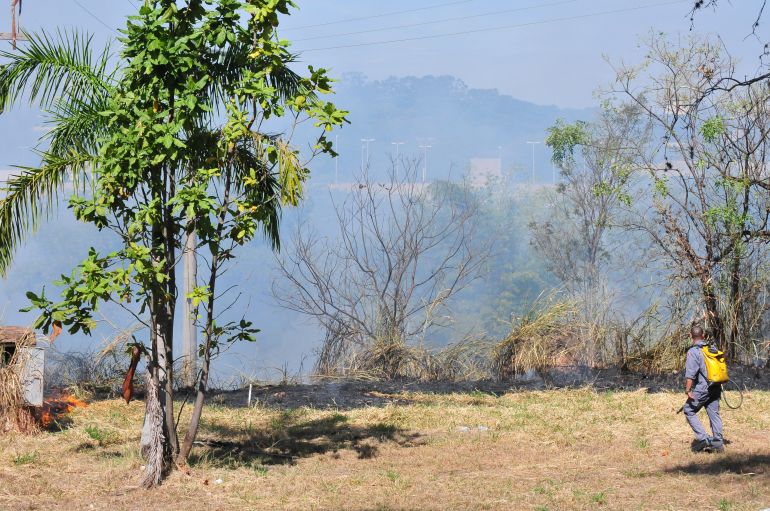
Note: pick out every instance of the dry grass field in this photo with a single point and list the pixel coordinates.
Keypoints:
(530, 450)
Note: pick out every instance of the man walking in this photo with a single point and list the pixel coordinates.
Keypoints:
(702, 395)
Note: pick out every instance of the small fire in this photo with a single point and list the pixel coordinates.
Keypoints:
(56, 408)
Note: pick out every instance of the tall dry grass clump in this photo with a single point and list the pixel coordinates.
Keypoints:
(87, 373)
(547, 336)
(665, 355)
(388, 360)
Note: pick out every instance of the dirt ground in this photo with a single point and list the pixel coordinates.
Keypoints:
(366, 446)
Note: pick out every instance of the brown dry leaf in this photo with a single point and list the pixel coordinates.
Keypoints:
(56, 329)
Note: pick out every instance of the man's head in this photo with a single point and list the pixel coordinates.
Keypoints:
(696, 333)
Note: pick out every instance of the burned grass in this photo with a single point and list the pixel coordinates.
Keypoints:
(548, 449)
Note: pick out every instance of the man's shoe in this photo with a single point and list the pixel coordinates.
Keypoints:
(700, 445)
(716, 444)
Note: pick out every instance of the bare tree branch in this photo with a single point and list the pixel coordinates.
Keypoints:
(402, 250)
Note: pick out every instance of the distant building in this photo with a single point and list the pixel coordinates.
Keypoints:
(485, 171)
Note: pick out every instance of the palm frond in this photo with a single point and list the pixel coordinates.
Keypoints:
(43, 69)
(233, 60)
(247, 157)
(63, 77)
(285, 81)
(266, 191)
(76, 125)
(30, 196)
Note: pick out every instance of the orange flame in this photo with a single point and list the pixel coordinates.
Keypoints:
(58, 406)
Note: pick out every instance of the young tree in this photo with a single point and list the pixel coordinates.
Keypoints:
(185, 150)
(71, 84)
(595, 164)
(590, 194)
(705, 171)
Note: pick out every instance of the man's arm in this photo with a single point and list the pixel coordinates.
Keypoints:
(691, 368)
(689, 382)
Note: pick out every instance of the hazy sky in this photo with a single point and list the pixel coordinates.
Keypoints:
(544, 51)
(550, 52)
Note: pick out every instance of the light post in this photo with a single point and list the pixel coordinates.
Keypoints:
(425, 161)
(336, 159)
(365, 141)
(533, 159)
(397, 144)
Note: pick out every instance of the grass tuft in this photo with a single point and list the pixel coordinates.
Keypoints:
(725, 505)
(26, 459)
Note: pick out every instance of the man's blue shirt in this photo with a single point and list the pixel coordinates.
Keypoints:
(695, 369)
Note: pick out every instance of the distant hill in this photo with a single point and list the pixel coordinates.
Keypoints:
(442, 111)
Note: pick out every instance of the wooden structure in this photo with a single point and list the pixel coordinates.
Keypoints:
(12, 338)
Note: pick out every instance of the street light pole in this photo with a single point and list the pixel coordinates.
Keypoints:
(397, 144)
(15, 34)
(336, 159)
(533, 159)
(365, 141)
(425, 161)
(395, 167)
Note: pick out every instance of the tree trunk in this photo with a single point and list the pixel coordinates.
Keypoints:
(159, 436)
(189, 331)
(715, 328)
(192, 430)
(735, 309)
(153, 448)
(166, 381)
(167, 300)
(154, 442)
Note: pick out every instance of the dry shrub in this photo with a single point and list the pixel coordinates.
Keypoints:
(664, 356)
(336, 348)
(652, 343)
(555, 332)
(15, 414)
(545, 337)
(387, 360)
(462, 361)
(87, 373)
